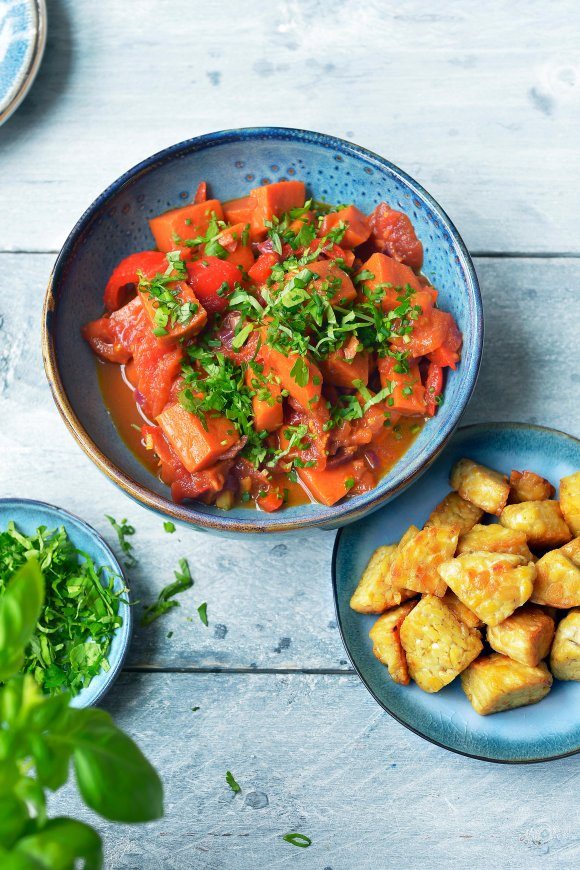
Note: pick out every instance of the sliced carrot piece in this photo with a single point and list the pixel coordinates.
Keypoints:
(273, 200)
(196, 446)
(408, 393)
(179, 330)
(268, 411)
(358, 226)
(184, 223)
(385, 270)
(331, 484)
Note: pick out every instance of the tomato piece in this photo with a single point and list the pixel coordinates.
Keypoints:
(174, 333)
(407, 391)
(197, 446)
(357, 226)
(394, 234)
(262, 268)
(101, 335)
(124, 279)
(208, 276)
(157, 369)
(187, 222)
(447, 354)
(429, 333)
(273, 200)
(433, 387)
(200, 193)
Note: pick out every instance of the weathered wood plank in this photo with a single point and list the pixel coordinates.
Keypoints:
(281, 615)
(314, 754)
(480, 102)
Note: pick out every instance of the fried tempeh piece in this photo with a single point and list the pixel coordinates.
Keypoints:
(525, 636)
(483, 487)
(570, 500)
(494, 539)
(416, 562)
(455, 511)
(387, 646)
(565, 656)
(492, 585)
(529, 486)
(374, 594)
(542, 522)
(557, 581)
(437, 644)
(572, 551)
(494, 683)
(462, 612)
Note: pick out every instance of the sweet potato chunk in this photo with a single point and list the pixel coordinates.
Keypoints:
(570, 500)
(437, 644)
(494, 683)
(542, 522)
(494, 539)
(565, 656)
(462, 612)
(387, 646)
(529, 486)
(492, 585)
(374, 594)
(455, 511)
(196, 445)
(557, 581)
(483, 487)
(416, 562)
(525, 636)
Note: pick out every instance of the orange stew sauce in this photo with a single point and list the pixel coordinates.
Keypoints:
(272, 350)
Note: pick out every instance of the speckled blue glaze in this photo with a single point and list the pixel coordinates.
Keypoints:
(233, 161)
(28, 516)
(540, 732)
(22, 37)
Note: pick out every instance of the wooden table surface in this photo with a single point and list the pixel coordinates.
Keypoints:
(480, 103)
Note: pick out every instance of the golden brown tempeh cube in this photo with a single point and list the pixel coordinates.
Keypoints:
(374, 594)
(572, 550)
(438, 645)
(411, 533)
(529, 486)
(483, 487)
(415, 563)
(493, 585)
(557, 581)
(494, 539)
(387, 647)
(494, 683)
(570, 500)
(525, 636)
(542, 522)
(565, 657)
(455, 511)
(462, 612)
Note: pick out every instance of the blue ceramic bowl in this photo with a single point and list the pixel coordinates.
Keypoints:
(541, 732)
(23, 29)
(28, 516)
(233, 161)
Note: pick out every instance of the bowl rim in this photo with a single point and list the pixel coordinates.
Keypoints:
(34, 63)
(470, 427)
(327, 518)
(125, 630)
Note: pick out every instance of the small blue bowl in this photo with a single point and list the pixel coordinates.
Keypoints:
(233, 161)
(28, 516)
(541, 732)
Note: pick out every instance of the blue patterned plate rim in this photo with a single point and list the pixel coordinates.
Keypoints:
(88, 696)
(345, 513)
(27, 75)
(474, 428)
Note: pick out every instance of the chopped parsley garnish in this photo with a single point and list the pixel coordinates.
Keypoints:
(170, 308)
(202, 610)
(300, 840)
(166, 600)
(235, 787)
(124, 530)
(169, 527)
(80, 613)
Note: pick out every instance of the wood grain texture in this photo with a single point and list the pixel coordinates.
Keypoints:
(314, 754)
(281, 616)
(479, 102)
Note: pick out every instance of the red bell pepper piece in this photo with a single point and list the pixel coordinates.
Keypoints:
(124, 277)
(433, 387)
(200, 193)
(262, 268)
(208, 276)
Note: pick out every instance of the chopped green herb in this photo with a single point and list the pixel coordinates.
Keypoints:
(202, 610)
(169, 634)
(300, 372)
(195, 709)
(169, 526)
(349, 483)
(80, 614)
(165, 599)
(300, 840)
(235, 787)
(124, 530)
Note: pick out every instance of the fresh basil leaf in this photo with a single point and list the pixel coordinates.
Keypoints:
(114, 777)
(59, 845)
(13, 818)
(20, 608)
